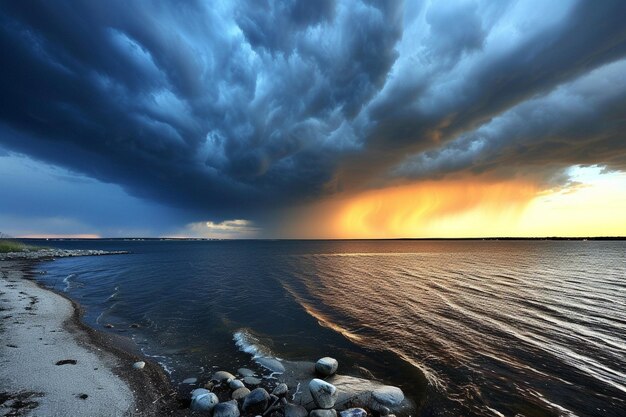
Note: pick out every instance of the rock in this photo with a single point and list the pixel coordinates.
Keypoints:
(388, 395)
(240, 393)
(384, 411)
(235, 384)
(323, 413)
(326, 366)
(209, 385)
(221, 376)
(293, 410)
(190, 381)
(109, 326)
(245, 372)
(139, 365)
(353, 412)
(256, 402)
(281, 390)
(203, 400)
(226, 409)
(324, 394)
(272, 364)
(250, 380)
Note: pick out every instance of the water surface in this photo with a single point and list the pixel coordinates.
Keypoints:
(472, 328)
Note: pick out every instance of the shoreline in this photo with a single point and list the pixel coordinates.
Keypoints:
(38, 326)
(95, 373)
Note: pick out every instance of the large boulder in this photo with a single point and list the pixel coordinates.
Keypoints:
(326, 366)
(324, 394)
(203, 400)
(226, 409)
(256, 402)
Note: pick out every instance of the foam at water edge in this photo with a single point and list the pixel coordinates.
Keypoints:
(248, 343)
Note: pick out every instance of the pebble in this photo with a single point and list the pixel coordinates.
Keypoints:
(388, 395)
(353, 412)
(326, 366)
(272, 364)
(221, 376)
(294, 410)
(250, 380)
(190, 381)
(235, 384)
(240, 393)
(245, 372)
(281, 390)
(324, 394)
(203, 400)
(139, 365)
(226, 409)
(256, 402)
(323, 413)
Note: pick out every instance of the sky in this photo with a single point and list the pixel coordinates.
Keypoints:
(302, 119)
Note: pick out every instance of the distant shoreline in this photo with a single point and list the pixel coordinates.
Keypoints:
(169, 239)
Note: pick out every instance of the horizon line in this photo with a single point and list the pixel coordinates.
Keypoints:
(321, 239)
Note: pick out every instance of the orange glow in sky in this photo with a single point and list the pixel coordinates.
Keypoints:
(471, 208)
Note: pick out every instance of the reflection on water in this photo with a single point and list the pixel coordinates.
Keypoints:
(464, 327)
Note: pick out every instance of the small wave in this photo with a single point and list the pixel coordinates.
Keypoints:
(116, 292)
(247, 342)
(67, 281)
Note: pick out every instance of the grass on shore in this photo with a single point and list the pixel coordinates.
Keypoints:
(15, 246)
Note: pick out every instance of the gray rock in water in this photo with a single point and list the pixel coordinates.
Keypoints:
(281, 390)
(293, 410)
(139, 365)
(353, 412)
(240, 393)
(256, 402)
(226, 409)
(272, 364)
(221, 376)
(203, 400)
(323, 413)
(250, 380)
(324, 394)
(326, 366)
(235, 384)
(190, 381)
(245, 372)
(388, 395)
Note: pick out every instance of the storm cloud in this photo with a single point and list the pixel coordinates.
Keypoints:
(228, 110)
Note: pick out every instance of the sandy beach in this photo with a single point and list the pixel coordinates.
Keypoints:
(53, 365)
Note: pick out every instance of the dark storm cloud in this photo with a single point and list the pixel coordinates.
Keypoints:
(229, 108)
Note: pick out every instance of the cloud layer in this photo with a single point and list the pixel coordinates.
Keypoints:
(228, 110)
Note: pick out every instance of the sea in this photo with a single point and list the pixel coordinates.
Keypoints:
(465, 327)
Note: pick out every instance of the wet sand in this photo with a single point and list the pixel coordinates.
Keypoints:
(53, 365)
